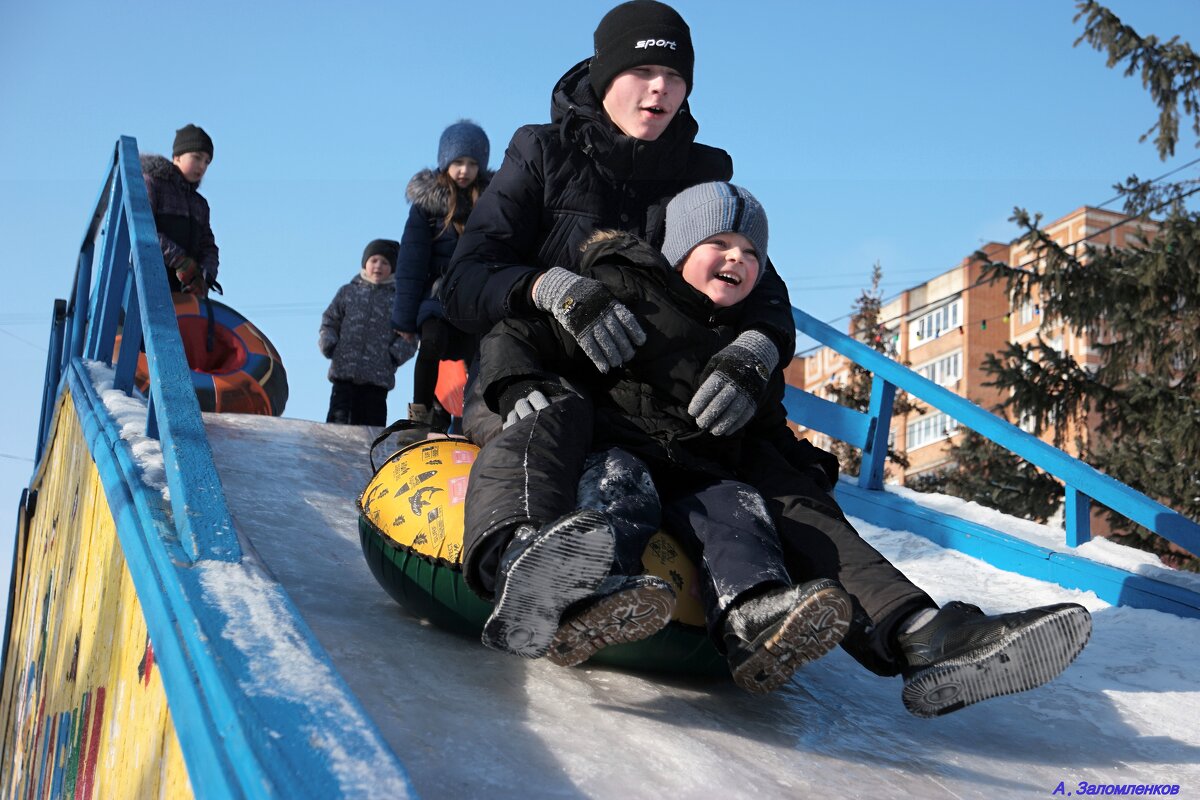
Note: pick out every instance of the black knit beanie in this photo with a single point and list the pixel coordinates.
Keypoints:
(192, 139)
(637, 34)
(388, 248)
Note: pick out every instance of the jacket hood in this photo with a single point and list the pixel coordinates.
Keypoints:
(581, 120)
(610, 246)
(432, 197)
(161, 168)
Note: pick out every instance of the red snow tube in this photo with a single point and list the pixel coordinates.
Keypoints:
(241, 373)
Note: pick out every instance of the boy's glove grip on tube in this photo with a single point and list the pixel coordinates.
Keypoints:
(605, 329)
(736, 380)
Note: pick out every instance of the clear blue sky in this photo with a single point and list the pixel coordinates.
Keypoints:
(902, 133)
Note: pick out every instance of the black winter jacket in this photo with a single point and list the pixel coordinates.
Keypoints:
(181, 216)
(561, 182)
(426, 247)
(641, 407)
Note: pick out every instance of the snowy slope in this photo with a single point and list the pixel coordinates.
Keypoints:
(468, 722)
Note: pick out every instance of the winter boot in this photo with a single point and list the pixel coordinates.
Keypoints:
(769, 637)
(439, 418)
(623, 609)
(963, 656)
(542, 573)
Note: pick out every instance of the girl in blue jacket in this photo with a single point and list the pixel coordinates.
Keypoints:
(441, 199)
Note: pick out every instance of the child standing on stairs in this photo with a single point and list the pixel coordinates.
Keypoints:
(442, 199)
(356, 336)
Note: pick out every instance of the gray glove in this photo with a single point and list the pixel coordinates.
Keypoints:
(523, 398)
(605, 329)
(736, 381)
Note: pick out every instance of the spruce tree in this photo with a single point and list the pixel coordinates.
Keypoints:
(1139, 307)
(867, 327)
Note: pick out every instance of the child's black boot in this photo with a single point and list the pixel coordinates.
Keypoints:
(623, 609)
(542, 572)
(768, 637)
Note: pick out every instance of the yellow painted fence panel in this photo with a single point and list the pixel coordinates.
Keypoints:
(83, 710)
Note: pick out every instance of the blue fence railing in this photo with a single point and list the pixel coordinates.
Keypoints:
(240, 737)
(869, 431)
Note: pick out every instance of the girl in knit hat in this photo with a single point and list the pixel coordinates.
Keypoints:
(181, 213)
(442, 199)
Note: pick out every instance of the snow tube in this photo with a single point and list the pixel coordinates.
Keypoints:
(241, 372)
(410, 528)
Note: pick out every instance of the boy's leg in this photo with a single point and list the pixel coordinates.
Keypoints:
(341, 403)
(372, 405)
(950, 659)
(526, 475)
(818, 542)
(628, 606)
(766, 627)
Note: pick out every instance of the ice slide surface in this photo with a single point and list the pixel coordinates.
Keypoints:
(469, 722)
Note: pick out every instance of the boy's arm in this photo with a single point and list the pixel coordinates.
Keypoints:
(519, 357)
(331, 325)
(207, 255)
(770, 425)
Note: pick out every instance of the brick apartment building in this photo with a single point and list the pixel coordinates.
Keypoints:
(945, 327)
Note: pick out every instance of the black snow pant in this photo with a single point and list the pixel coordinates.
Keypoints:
(818, 542)
(526, 474)
(440, 341)
(725, 528)
(357, 404)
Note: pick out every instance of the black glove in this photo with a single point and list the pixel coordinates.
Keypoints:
(522, 398)
(605, 329)
(736, 379)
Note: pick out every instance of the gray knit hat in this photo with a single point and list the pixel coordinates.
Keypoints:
(463, 139)
(707, 209)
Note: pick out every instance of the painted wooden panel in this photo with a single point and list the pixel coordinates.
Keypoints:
(83, 709)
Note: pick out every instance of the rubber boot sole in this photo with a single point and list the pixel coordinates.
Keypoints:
(565, 564)
(1022, 660)
(809, 631)
(627, 615)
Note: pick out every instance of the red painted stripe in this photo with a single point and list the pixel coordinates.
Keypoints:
(88, 782)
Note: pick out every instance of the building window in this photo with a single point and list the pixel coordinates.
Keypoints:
(946, 370)
(936, 322)
(1026, 313)
(931, 428)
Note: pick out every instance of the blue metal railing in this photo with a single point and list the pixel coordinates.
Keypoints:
(869, 431)
(238, 739)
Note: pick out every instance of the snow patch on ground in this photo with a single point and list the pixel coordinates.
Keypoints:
(1053, 537)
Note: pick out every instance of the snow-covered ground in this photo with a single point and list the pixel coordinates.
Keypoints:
(469, 722)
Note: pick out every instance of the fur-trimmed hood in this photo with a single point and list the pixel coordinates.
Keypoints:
(161, 168)
(432, 197)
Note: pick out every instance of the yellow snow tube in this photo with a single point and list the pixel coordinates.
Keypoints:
(411, 531)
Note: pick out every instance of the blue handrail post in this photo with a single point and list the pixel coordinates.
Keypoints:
(77, 310)
(874, 457)
(1077, 518)
(131, 343)
(54, 367)
(113, 276)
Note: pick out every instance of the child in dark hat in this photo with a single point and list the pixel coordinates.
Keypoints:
(181, 213)
(442, 199)
(668, 469)
(357, 337)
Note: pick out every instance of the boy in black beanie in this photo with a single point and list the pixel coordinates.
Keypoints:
(357, 337)
(181, 213)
